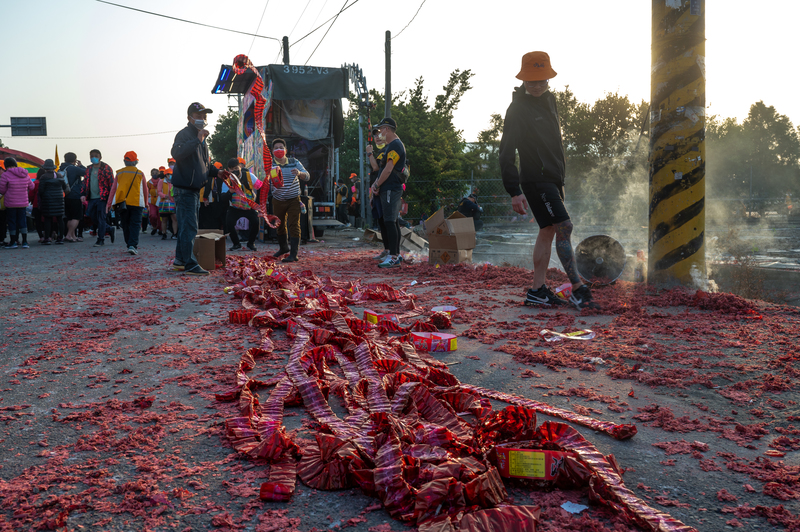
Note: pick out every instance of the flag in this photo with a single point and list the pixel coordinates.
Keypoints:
(58, 163)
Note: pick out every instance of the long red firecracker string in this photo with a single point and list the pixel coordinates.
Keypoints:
(390, 396)
(241, 64)
(272, 221)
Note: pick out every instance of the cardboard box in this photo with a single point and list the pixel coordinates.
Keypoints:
(372, 236)
(209, 248)
(410, 241)
(451, 239)
(449, 256)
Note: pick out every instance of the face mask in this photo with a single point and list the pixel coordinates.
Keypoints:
(237, 173)
(200, 124)
(380, 146)
(171, 166)
(279, 154)
(95, 160)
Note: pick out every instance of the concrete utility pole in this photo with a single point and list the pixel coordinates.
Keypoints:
(388, 96)
(677, 143)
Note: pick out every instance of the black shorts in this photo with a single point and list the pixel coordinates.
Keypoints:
(547, 203)
(73, 209)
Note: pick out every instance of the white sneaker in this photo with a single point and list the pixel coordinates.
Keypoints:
(382, 255)
(386, 260)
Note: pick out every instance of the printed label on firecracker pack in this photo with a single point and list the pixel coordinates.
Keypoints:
(375, 318)
(529, 463)
(434, 342)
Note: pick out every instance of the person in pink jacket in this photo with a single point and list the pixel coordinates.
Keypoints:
(14, 186)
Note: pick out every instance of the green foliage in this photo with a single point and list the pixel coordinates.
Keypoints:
(222, 143)
(2, 145)
(765, 142)
(435, 149)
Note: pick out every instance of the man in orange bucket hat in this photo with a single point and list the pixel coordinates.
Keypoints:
(532, 128)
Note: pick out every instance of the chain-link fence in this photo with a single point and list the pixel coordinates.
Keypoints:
(626, 209)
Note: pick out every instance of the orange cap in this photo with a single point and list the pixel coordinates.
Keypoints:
(131, 156)
(218, 165)
(241, 161)
(161, 168)
(168, 171)
(170, 160)
(536, 67)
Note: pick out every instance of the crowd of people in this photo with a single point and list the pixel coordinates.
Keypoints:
(66, 201)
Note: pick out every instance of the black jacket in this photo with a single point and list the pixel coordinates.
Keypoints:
(51, 194)
(193, 169)
(469, 208)
(533, 129)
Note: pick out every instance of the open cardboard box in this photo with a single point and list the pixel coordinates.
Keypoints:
(449, 256)
(451, 239)
(411, 241)
(209, 247)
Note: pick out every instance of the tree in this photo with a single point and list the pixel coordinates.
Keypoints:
(435, 149)
(222, 143)
(764, 150)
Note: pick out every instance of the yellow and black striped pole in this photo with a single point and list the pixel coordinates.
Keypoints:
(677, 143)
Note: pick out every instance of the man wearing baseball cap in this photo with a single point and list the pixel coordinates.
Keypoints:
(532, 128)
(193, 171)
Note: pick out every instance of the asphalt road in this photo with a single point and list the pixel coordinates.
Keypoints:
(109, 366)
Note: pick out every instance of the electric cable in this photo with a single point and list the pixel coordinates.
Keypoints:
(326, 32)
(410, 21)
(86, 138)
(187, 21)
(258, 28)
(295, 26)
(318, 27)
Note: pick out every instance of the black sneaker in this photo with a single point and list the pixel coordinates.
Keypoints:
(543, 297)
(235, 247)
(153, 232)
(112, 233)
(99, 243)
(251, 247)
(197, 270)
(582, 298)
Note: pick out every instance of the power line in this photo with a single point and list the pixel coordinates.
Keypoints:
(86, 138)
(187, 21)
(293, 28)
(326, 31)
(318, 27)
(412, 19)
(258, 28)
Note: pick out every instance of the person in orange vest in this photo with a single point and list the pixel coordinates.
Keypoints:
(128, 193)
(166, 208)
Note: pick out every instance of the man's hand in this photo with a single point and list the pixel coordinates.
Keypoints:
(83, 199)
(519, 204)
(108, 208)
(205, 202)
(202, 134)
(369, 150)
(295, 171)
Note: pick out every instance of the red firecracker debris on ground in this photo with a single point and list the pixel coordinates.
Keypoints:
(133, 401)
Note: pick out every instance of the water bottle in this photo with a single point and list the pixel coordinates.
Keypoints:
(303, 208)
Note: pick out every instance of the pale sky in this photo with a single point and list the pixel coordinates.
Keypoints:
(96, 70)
